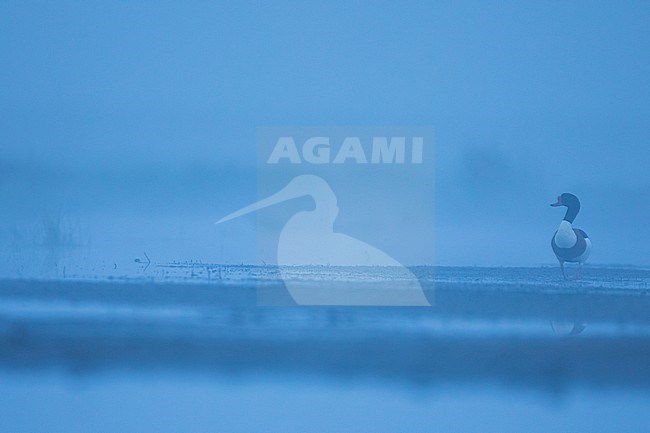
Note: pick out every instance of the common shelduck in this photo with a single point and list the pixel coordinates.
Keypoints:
(570, 244)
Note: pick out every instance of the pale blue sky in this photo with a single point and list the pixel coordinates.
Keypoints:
(140, 110)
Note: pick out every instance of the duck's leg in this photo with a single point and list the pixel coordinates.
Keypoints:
(578, 274)
(563, 272)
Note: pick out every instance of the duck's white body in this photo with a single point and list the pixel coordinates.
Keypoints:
(567, 238)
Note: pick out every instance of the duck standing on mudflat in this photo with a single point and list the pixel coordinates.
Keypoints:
(570, 244)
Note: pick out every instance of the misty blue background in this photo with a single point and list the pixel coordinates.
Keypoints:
(131, 126)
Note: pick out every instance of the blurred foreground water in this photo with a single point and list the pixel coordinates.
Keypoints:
(201, 347)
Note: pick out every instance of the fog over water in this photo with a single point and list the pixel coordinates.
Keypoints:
(137, 127)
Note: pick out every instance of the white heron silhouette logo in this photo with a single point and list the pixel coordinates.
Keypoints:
(308, 238)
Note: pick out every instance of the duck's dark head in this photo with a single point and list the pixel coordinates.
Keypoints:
(571, 202)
